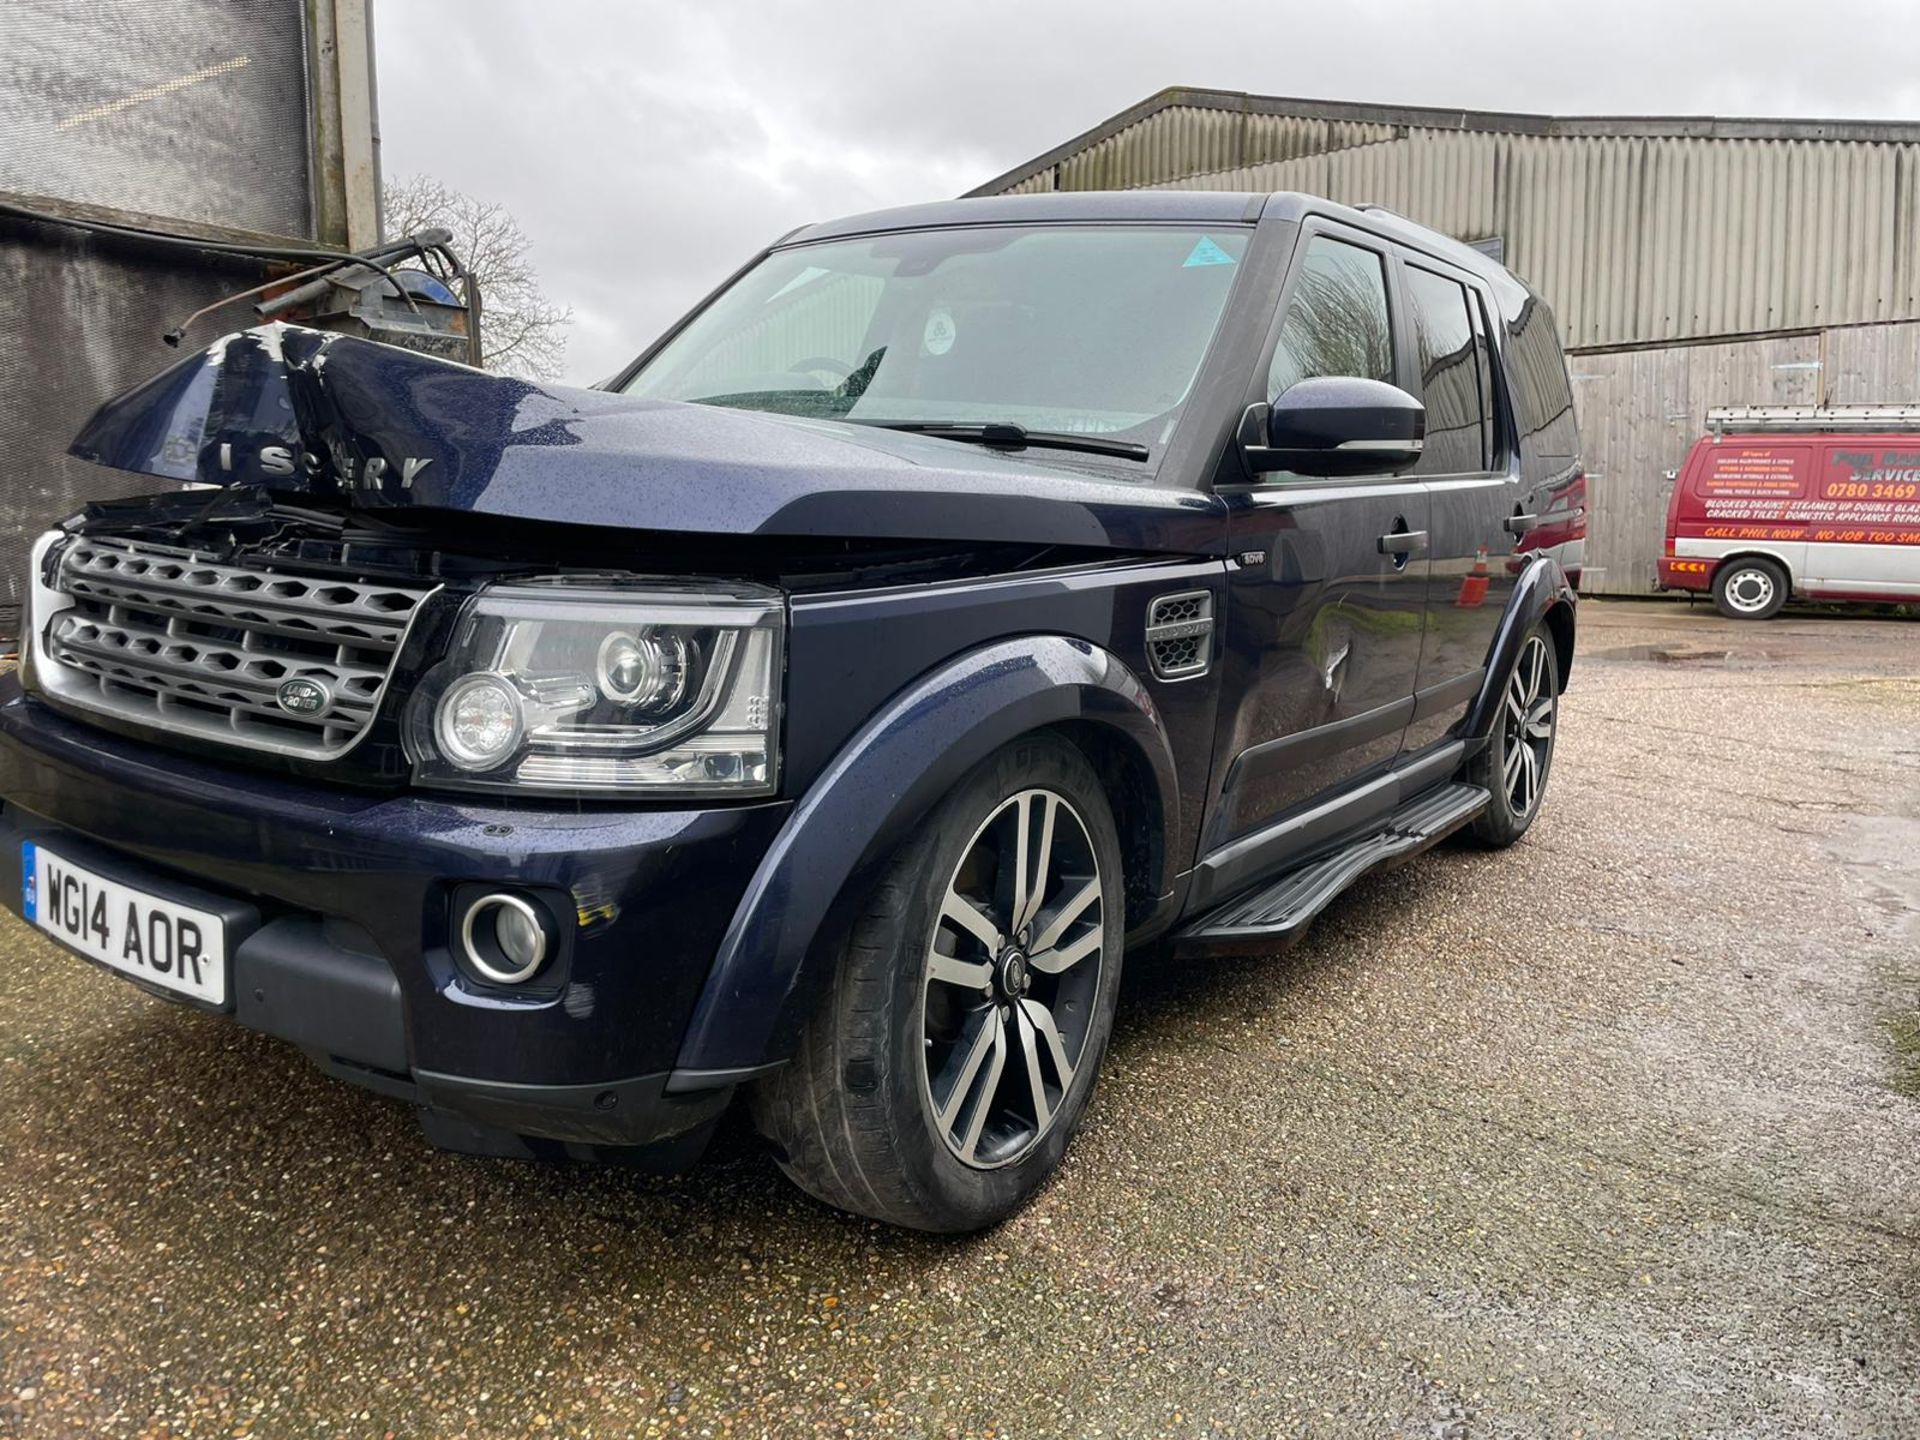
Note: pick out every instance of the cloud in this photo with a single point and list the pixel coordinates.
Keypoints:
(649, 148)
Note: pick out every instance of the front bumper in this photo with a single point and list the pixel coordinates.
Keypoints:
(350, 959)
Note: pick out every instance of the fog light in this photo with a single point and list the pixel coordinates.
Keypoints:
(479, 722)
(504, 938)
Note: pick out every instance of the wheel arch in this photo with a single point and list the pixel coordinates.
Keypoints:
(1133, 791)
(1559, 620)
(1541, 596)
(1728, 562)
(771, 965)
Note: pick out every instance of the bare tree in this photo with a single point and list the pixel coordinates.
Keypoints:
(521, 331)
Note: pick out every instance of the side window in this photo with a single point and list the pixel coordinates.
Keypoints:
(1449, 374)
(1337, 319)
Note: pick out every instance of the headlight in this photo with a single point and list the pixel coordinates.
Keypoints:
(573, 688)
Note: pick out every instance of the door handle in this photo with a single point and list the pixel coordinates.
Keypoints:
(1520, 524)
(1403, 542)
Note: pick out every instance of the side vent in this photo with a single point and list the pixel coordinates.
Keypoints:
(1180, 634)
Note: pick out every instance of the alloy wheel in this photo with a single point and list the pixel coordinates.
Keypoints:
(1012, 971)
(1527, 727)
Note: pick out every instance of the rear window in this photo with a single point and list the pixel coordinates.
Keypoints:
(1450, 374)
(1542, 399)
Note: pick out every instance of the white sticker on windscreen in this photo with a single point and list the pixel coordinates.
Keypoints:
(939, 334)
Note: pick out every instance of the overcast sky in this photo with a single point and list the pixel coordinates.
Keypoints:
(648, 147)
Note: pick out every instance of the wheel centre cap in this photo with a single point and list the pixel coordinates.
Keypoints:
(1015, 978)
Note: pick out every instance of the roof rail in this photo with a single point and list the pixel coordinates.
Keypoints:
(1491, 248)
(1756, 419)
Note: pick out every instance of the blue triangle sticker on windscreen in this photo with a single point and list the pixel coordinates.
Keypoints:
(1206, 253)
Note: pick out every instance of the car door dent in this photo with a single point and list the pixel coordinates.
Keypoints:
(1541, 590)
(1330, 664)
(1310, 747)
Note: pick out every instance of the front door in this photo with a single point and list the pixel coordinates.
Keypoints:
(1475, 489)
(1327, 583)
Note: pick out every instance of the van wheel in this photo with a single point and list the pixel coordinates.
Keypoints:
(955, 1052)
(1514, 764)
(1750, 589)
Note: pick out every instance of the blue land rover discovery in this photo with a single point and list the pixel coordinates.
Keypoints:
(818, 711)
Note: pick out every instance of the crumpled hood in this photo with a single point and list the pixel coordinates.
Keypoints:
(299, 411)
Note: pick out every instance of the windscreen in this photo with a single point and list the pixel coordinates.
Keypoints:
(1093, 330)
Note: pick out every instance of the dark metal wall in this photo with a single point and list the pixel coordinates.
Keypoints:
(80, 320)
(196, 116)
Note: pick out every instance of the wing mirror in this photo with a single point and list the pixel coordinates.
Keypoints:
(1335, 425)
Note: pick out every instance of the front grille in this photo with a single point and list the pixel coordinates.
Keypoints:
(172, 639)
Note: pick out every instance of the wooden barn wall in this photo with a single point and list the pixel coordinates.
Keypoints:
(1640, 411)
(1872, 365)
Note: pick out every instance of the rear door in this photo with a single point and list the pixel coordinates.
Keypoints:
(1473, 482)
(1323, 624)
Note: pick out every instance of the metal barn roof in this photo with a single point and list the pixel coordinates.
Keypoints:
(1637, 229)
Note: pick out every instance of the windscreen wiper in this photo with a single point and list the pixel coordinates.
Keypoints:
(1001, 435)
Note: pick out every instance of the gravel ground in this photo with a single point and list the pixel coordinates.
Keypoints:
(1613, 1134)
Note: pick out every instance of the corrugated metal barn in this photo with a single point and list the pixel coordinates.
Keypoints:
(1692, 262)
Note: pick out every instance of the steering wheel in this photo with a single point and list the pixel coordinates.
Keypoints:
(838, 368)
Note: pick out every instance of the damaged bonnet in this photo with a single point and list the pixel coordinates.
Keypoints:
(297, 411)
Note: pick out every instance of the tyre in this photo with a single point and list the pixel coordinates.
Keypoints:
(1750, 589)
(955, 1053)
(1518, 756)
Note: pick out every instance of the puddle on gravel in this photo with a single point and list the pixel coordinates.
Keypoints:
(1665, 654)
(1696, 656)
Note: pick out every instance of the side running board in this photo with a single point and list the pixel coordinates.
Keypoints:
(1274, 914)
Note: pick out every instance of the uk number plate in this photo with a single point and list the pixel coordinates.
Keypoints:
(138, 934)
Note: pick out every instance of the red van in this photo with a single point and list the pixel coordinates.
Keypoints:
(1782, 500)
